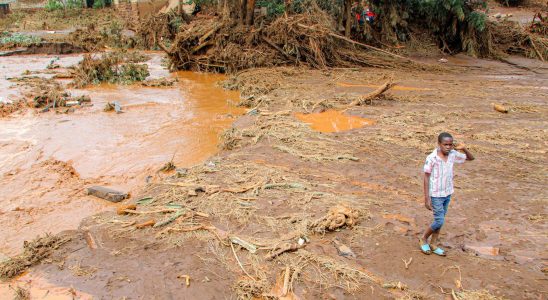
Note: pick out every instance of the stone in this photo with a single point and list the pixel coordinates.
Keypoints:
(107, 193)
(486, 251)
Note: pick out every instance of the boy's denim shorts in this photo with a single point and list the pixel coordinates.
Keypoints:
(439, 207)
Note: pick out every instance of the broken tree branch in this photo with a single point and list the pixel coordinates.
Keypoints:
(273, 45)
(383, 88)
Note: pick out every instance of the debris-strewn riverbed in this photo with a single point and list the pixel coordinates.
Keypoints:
(290, 210)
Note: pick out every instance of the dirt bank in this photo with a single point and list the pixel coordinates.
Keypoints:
(281, 178)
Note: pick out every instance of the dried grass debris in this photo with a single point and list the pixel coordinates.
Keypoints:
(34, 252)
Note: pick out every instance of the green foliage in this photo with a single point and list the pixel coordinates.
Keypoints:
(457, 23)
(18, 39)
(273, 8)
(72, 4)
(130, 73)
(477, 20)
(101, 3)
(54, 5)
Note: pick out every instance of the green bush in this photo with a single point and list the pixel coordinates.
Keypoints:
(54, 5)
(18, 39)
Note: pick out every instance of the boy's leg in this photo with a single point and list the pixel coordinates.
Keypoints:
(437, 209)
(439, 217)
(435, 234)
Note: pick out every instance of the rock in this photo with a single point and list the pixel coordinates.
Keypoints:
(343, 250)
(443, 60)
(107, 193)
(486, 251)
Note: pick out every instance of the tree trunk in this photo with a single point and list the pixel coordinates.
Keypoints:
(250, 14)
(243, 11)
(348, 14)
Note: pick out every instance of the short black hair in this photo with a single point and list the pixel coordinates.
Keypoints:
(444, 135)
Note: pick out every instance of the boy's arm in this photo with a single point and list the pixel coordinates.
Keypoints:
(462, 147)
(427, 200)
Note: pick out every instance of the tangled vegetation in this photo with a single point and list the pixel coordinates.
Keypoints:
(112, 67)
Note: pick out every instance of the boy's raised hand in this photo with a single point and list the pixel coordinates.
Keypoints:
(460, 146)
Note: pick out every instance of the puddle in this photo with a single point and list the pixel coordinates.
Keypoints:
(47, 160)
(396, 88)
(333, 121)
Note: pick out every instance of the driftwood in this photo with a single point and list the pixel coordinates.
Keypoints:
(145, 224)
(500, 108)
(383, 88)
(284, 248)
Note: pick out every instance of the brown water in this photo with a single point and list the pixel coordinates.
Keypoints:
(47, 160)
(333, 121)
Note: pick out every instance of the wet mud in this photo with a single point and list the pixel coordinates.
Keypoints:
(283, 174)
(48, 159)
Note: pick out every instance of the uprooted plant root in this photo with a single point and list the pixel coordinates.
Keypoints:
(337, 217)
(33, 253)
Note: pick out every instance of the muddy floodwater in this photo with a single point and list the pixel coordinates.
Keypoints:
(333, 121)
(48, 159)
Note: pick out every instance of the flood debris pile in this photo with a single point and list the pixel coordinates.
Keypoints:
(93, 39)
(55, 99)
(110, 67)
(224, 45)
(159, 82)
(254, 217)
(47, 94)
(510, 38)
(34, 252)
(7, 109)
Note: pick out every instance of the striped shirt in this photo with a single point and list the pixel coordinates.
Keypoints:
(441, 172)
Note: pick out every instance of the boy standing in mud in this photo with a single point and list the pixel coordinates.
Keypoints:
(438, 187)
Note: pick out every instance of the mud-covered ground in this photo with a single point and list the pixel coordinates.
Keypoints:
(276, 178)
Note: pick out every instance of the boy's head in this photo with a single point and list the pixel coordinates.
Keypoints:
(445, 142)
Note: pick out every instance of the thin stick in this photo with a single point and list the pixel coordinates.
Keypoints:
(407, 263)
(240, 263)
(286, 281)
(150, 211)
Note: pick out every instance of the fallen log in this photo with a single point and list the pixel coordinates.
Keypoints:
(383, 88)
